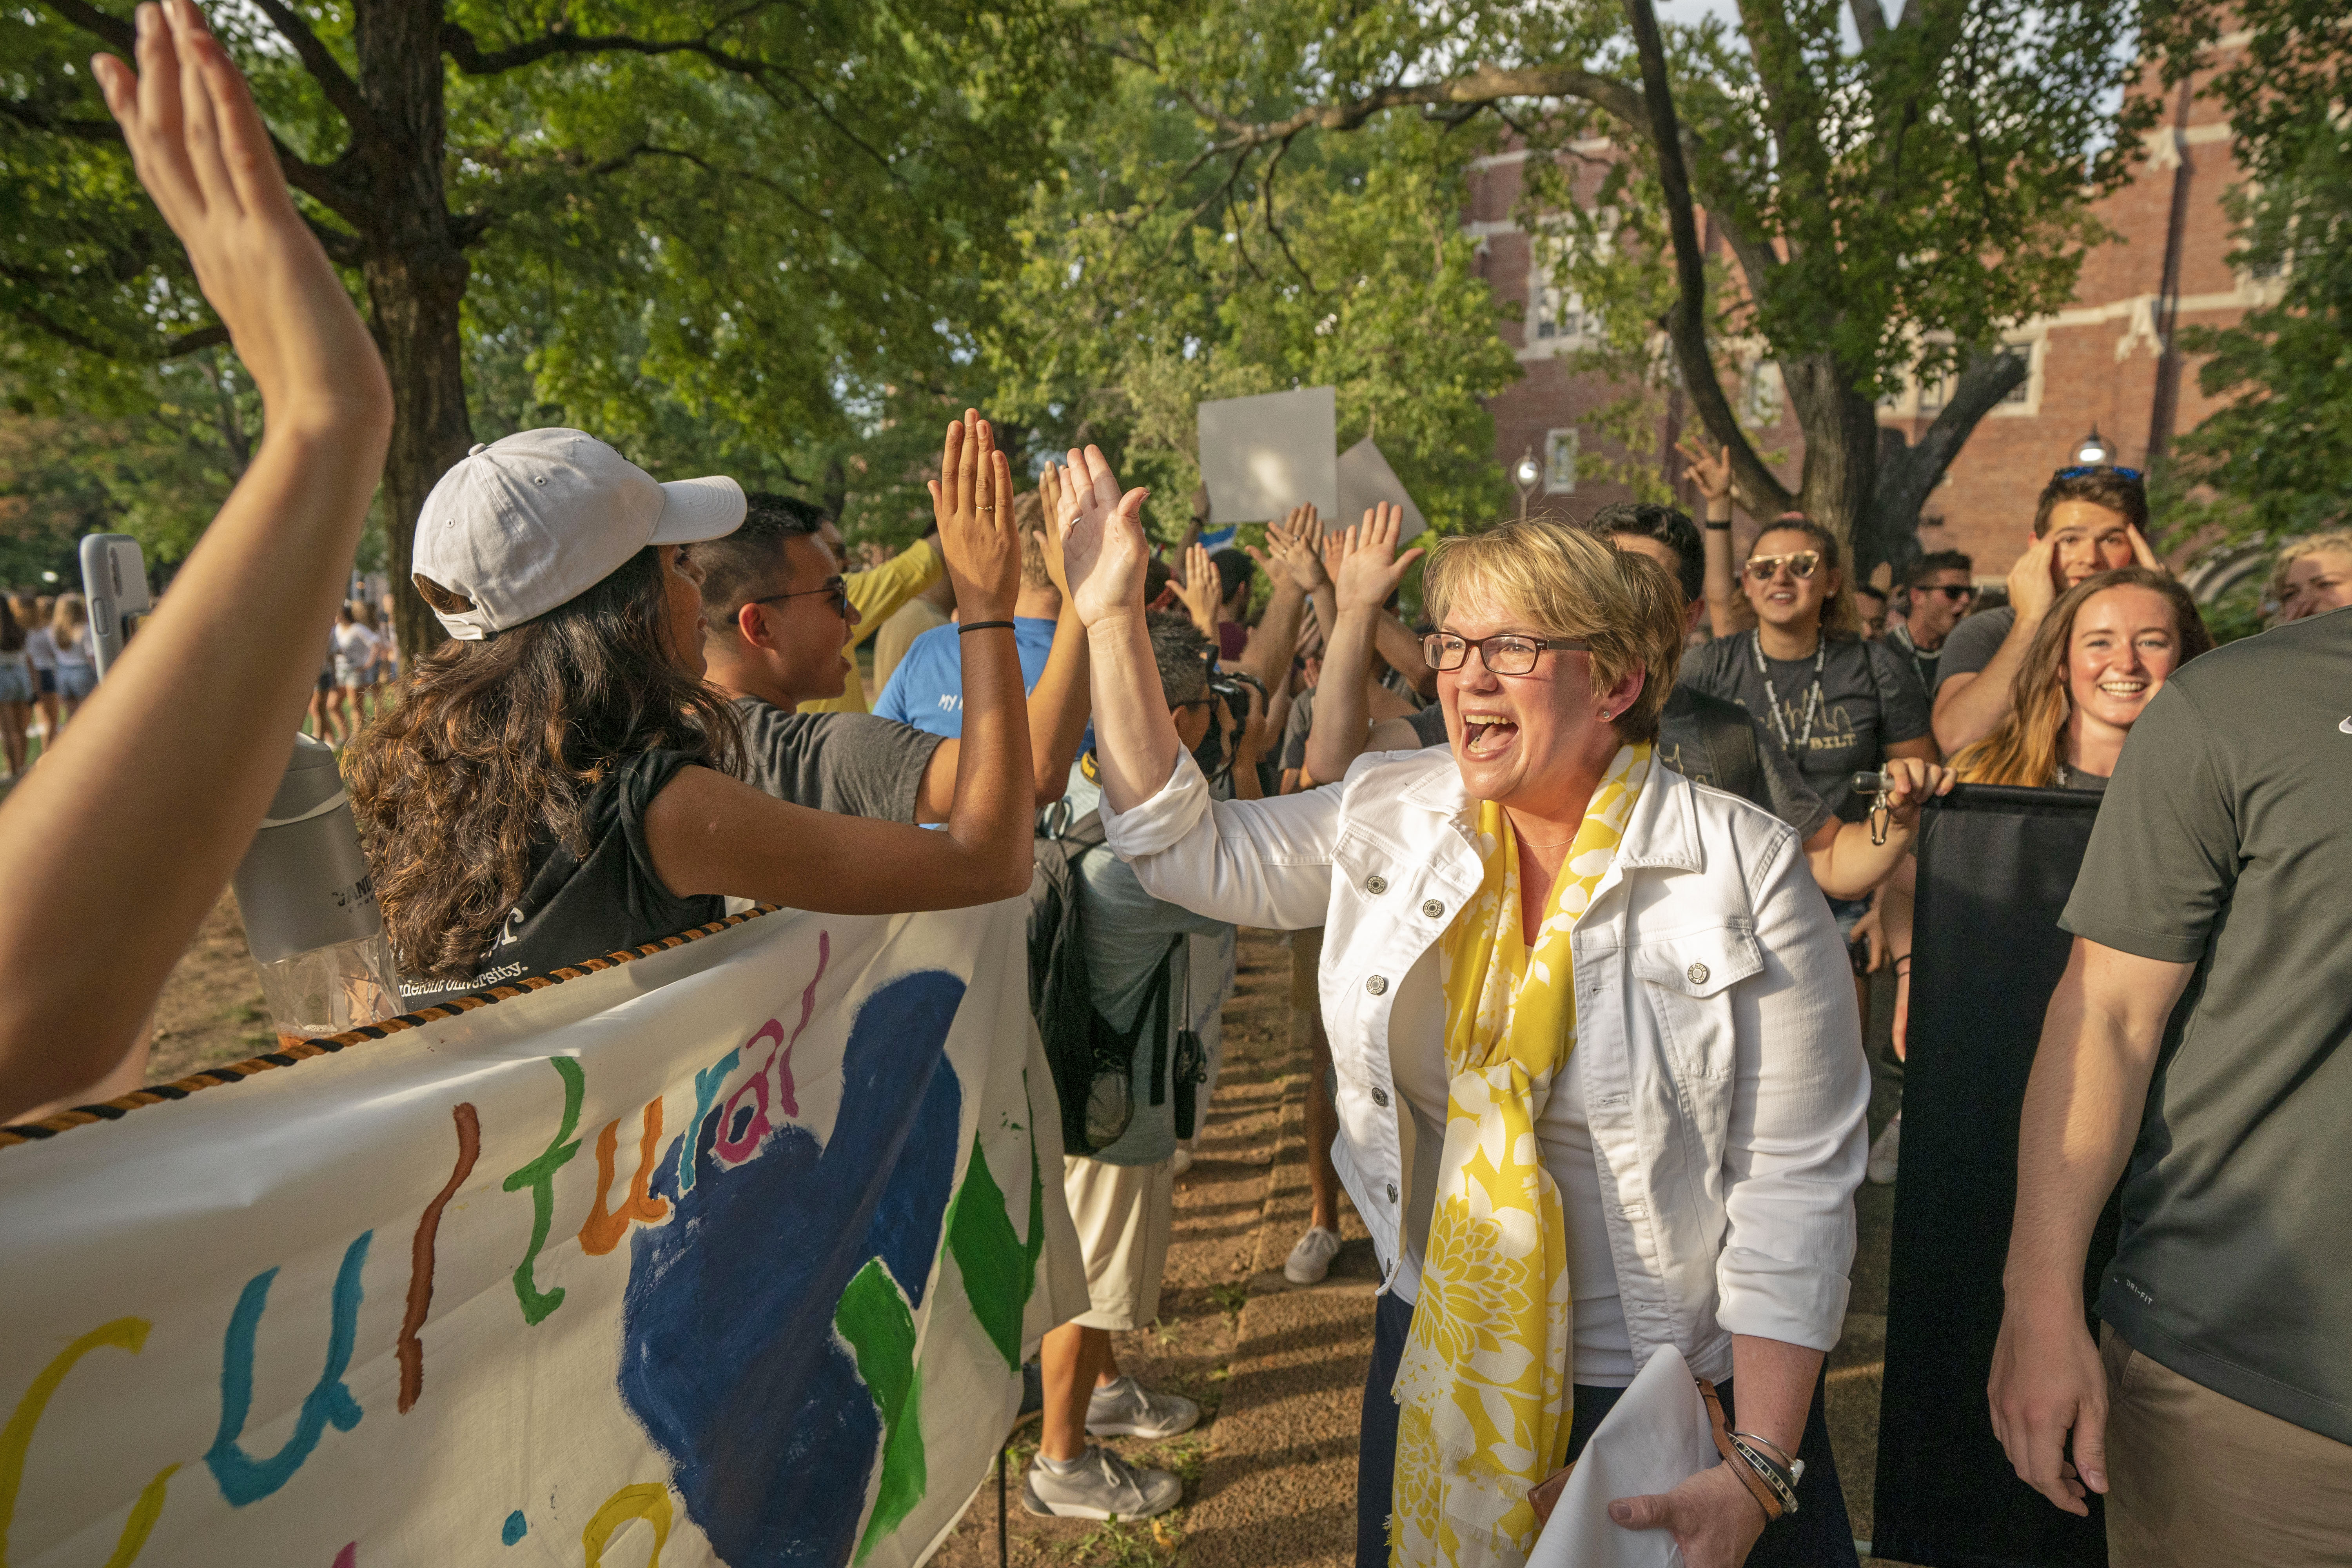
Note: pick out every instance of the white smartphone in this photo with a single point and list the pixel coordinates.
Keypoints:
(114, 581)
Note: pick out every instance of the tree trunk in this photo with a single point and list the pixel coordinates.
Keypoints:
(415, 269)
(414, 310)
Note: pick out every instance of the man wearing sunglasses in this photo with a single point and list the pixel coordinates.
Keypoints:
(777, 618)
(1937, 590)
(2089, 520)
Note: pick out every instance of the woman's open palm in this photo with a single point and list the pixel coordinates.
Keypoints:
(1104, 551)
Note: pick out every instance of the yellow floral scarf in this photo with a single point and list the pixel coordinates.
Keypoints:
(1483, 1383)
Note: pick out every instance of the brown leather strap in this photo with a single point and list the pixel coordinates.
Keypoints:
(1766, 1499)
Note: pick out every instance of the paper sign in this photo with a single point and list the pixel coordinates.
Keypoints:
(1366, 480)
(1262, 455)
(1654, 1439)
(727, 1254)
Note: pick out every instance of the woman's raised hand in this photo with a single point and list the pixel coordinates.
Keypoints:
(1712, 475)
(1103, 548)
(1201, 590)
(972, 501)
(1294, 549)
(203, 154)
(1370, 568)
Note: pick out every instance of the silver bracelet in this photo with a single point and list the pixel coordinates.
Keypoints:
(1795, 1467)
(1783, 1484)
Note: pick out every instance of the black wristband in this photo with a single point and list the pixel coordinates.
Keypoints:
(983, 626)
(1715, 527)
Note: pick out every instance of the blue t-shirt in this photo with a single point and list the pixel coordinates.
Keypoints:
(927, 689)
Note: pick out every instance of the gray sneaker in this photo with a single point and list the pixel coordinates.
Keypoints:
(1103, 1486)
(1127, 1409)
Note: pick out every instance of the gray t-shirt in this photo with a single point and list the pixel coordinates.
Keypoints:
(2225, 841)
(1974, 642)
(1128, 935)
(851, 764)
(1294, 731)
(1869, 700)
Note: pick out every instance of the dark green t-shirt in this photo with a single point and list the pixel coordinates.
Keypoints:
(2225, 841)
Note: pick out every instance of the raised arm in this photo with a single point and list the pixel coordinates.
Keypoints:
(1728, 610)
(1970, 705)
(99, 839)
(1057, 704)
(712, 834)
(1293, 563)
(1369, 569)
(2083, 1105)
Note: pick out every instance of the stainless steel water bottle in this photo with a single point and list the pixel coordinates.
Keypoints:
(308, 902)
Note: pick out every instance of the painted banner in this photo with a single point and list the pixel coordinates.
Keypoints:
(726, 1252)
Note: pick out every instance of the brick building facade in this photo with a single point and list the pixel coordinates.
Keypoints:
(2102, 362)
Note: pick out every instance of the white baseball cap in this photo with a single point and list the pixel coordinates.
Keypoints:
(530, 522)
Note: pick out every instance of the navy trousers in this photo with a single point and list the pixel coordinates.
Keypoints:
(1818, 1535)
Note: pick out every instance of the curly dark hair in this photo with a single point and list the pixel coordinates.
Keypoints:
(495, 746)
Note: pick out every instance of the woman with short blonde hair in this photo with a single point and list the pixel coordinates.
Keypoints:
(1600, 1079)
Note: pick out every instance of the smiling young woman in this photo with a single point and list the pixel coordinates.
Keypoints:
(2105, 650)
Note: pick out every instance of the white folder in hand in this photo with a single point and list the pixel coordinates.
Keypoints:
(1653, 1440)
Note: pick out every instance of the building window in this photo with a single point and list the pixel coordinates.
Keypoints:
(2022, 393)
(1559, 462)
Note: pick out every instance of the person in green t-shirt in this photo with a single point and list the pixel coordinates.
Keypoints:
(2203, 1033)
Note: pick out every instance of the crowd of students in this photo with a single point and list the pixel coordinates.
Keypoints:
(1607, 791)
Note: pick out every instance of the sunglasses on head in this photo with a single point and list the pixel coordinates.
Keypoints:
(1801, 563)
(835, 588)
(2079, 472)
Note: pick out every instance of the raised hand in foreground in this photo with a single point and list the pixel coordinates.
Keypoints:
(1104, 551)
(98, 838)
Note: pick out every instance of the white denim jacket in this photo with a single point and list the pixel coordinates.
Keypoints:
(1721, 1054)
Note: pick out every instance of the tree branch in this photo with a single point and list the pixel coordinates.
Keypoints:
(1686, 324)
(1486, 85)
(327, 71)
(469, 57)
(210, 337)
(321, 184)
(1869, 20)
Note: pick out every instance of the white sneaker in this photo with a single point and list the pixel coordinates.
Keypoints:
(1127, 1409)
(1182, 1161)
(1103, 1486)
(1311, 1258)
(1885, 1150)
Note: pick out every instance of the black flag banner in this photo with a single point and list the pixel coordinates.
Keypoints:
(1996, 865)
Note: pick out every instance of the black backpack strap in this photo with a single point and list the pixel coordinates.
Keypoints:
(1730, 736)
(1156, 1004)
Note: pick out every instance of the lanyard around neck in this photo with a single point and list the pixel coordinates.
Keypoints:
(1796, 749)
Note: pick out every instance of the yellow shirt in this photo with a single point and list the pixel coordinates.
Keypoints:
(877, 596)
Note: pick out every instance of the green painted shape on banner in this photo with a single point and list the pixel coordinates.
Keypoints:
(873, 1317)
(999, 1271)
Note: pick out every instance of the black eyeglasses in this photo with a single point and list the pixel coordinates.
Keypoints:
(836, 587)
(1509, 653)
(2080, 471)
(1958, 593)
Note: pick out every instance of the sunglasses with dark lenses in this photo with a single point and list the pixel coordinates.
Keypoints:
(2079, 472)
(1958, 593)
(1509, 653)
(1802, 564)
(835, 588)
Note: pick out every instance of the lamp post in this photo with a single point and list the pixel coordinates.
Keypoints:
(1529, 474)
(2093, 450)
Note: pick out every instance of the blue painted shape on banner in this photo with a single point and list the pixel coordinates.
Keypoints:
(729, 1355)
(706, 1094)
(514, 1529)
(244, 1479)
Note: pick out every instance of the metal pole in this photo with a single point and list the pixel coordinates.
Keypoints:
(1000, 1508)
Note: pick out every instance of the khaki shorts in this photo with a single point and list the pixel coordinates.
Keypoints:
(2200, 1480)
(1124, 1214)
